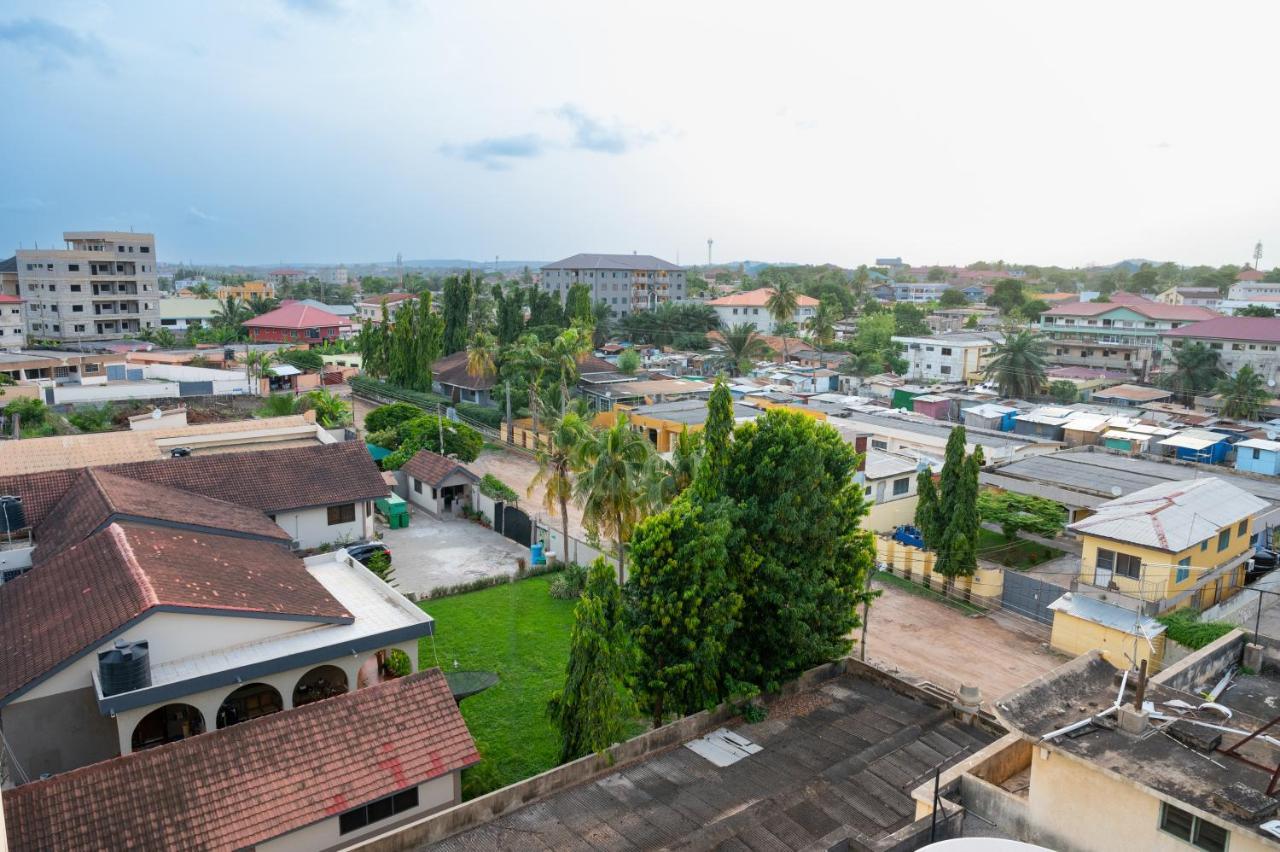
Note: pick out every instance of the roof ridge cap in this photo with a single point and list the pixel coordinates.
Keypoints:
(139, 576)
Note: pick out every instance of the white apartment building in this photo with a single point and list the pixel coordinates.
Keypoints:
(956, 356)
(625, 282)
(102, 286)
(336, 275)
(752, 308)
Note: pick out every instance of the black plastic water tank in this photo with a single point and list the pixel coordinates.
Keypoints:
(124, 668)
(12, 516)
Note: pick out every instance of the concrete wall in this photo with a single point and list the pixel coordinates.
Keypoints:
(887, 516)
(311, 528)
(983, 588)
(1075, 636)
(58, 732)
(1243, 607)
(433, 796)
(1208, 663)
(578, 551)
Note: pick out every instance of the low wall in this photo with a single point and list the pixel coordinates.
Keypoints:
(1242, 607)
(1206, 664)
(578, 551)
(982, 589)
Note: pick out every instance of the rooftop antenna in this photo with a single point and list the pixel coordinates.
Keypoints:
(709, 244)
(1257, 255)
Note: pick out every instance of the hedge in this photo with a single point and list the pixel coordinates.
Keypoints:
(494, 488)
(1185, 627)
(482, 414)
(363, 384)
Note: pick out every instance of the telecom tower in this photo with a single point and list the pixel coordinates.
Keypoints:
(709, 242)
(400, 269)
(1257, 255)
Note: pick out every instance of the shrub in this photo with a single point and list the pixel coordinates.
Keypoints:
(460, 440)
(92, 418)
(397, 663)
(1186, 628)
(495, 489)
(390, 416)
(482, 414)
(32, 411)
(304, 359)
(379, 565)
(570, 583)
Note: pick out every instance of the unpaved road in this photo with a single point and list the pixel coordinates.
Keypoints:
(930, 640)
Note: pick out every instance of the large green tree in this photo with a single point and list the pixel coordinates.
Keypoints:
(717, 433)
(681, 607)
(1196, 370)
(612, 467)
(592, 710)
(1007, 295)
(800, 558)
(1243, 394)
(909, 321)
(456, 310)
(927, 516)
(1018, 364)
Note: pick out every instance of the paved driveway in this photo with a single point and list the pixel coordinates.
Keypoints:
(430, 552)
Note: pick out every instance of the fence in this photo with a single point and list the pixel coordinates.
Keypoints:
(578, 551)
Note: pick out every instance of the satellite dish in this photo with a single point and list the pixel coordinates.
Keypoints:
(1116, 491)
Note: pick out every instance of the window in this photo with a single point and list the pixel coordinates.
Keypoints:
(946, 350)
(417, 486)
(1204, 545)
(91, 368)
(945, 370)
(1189, 827)
(79, 328)
(1243, 528)
(75, 309)
(880, 445)
(379, 809)
(344, 514)
(73, 267)
(145, 249)
(75, 288)
(901, 486)
(1123, 564)
(1184, 570)
(1224, 538)
(1257, 453)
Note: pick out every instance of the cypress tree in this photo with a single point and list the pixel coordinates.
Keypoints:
(716, 436)
(927, 517)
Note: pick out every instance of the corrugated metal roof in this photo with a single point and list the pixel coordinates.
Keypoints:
(1108, 615)
(1194, 439)
(1261, 444)
(1172, 516)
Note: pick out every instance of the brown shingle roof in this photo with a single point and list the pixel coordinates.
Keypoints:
(267, 480)
(433, 468)
(82, 596)
(98, 497)
(242, 785)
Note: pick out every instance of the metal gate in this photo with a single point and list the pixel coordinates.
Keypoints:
(513, 523)
(195, 388)
(1029, 596)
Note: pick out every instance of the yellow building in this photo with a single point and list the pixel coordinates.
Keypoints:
(663, 422)
(248, 290)
(1173, 545)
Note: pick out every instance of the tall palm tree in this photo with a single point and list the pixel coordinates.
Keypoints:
(1018, 365)
(782, 304)
(822, 325)
(565, 434)
(744, 346)
(483, 355)
(611, 486)
(202, 290)
(232, 313)
(1243, 395)
(1196, 370)
(257, 364)
(259, 304)
(528, 358)
(567, 351)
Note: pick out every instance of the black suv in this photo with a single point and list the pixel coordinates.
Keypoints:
(362, 550)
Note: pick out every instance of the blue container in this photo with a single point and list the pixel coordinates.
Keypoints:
(539, 558)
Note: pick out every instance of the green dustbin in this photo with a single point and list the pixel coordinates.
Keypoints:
(394, 511)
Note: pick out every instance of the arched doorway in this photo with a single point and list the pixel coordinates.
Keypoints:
(249, 702)
(387, 664)
(318, 684)
(167, 724)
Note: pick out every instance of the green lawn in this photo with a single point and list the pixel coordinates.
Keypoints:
(522, 633)
(1018, 554)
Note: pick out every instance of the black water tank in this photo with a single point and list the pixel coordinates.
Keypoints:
(12, 517)
(124, 668)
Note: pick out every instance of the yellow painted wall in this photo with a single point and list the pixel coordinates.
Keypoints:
(1159, 572)
(983, 588)
(767, 404)
(1075, 636)
(885, 517)
(248, 290)
(1078, 807)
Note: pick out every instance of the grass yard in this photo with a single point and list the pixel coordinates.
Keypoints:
(1018, 554)
(522, 633)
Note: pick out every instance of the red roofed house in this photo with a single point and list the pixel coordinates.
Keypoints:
(752, 309)
(1237, 340)
(319, 777)
(297, 323)
(1123, 333)
(439, 484)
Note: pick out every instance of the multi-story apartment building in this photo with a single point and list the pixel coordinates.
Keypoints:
(1239, 341)
(286, 276)
(752, 308)
(1123, 333)
(13, 325)
(102, 286)
(334, 275)
(625, 282)
(953, 357)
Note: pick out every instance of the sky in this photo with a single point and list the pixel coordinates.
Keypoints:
(326, 131)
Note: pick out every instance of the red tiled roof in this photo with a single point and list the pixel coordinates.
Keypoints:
(757, 299)
(1257, 329)
(297, 316)
(81, 597)
(242, 785)
(1248, 274)
(267, 480)
(98, 497)
(6, 299)
(1137, 304)
(433, 468)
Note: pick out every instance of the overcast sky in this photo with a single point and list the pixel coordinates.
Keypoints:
(331, 130)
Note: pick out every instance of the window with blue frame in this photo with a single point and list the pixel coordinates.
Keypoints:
(1184, 570)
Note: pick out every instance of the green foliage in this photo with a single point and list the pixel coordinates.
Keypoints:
(1196, 370)
(682, 324)
(1017, 512)
(277, 405)
(1018, 364)
(1243, 395)
(495, 489)
(909, 321)
(1032, 309)
(1063, 391)
(424, 432)
(956, 541)
(628, 362)
(577, 303)
(971, 321)
(402, 350)
(927, 517)
(873, 347)
(569, 583)
(33, 411)
(953, 299)
(681, 607)
(92, 418)
(1257, 310)
(1185, 627)
(591, 710)
(390, 416)
(482, 414)
(510, 311)
(379, 565)
(1007, 295)
(331, 410)
(611, 486)
(456, 311)
(743, 347)
(303, 359)
(799, 556)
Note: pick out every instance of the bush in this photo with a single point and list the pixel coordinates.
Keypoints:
(32, 411)
(482, 414)
(1186, 628)
(570, 583)
(92, 418)
(460, 440)
(390, 416)
(304, 359)
(495, 489)
(373, 387)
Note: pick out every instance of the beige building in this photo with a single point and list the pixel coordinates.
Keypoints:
(13, 326)
(102, 286)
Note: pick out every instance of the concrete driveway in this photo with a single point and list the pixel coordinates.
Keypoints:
(430, 553)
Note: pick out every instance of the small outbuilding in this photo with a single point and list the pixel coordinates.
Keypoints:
(441, 485)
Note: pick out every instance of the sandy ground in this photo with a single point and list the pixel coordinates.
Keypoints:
(920, 637)
(518, 471)
(430, 553)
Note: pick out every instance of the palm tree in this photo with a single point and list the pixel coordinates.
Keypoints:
(231, 313)
(822, 325)
(164, 338)
(278, 405)
(782, 304)
(611, 486)
(1018, 364)
(483, 355)
(257, 364)
(565, 434)
(1243, 395)
(568, 350)
(260, 305)
(1196, 370)
(202, 290)
(527, 357)
(331, 410)
(744, 346)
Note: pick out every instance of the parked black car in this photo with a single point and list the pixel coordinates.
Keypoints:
(1264, 561)
(362, 550)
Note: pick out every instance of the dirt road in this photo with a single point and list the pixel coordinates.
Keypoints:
(927, 639)
(518, 471)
